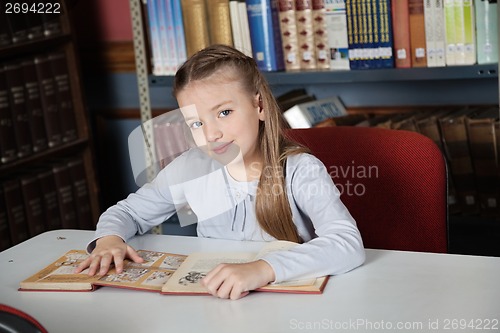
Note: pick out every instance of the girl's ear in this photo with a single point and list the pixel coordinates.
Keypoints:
(260, 106)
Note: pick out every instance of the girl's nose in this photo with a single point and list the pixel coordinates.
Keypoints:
(212, 132)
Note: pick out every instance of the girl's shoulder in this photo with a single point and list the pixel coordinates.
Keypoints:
(302, 160)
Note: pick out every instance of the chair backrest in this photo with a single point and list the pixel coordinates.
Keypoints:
(15, 320)
(393, 182)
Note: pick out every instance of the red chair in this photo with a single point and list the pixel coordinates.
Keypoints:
(393, 182)
(13, 320)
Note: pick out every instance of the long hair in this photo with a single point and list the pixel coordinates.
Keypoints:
(272, 207)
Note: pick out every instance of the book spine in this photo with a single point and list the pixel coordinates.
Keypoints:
(18, 27)
(336, 24)
(234, 14)
(65, 196)
(13, 75)
(320, 34)
(180, 39)
(15, 211)
(386, 40)
(219, 22)
(245, 29)
(430, 35)
(353, 34)
(51, 24)
(263, 21)
(81, 193)
(50, 200)
(5, 35)
(194, 15)
(154, 38)
(450, 33)
(49, 100)
(5, 241)
(289, 39)
(458, 7)
(439, 33)
(33, 201)
(486, 32)
(60, 73)
(8, 145)
(417, 33)
(469, 33)
(35, 25)
(401, 33)
(167, 36)
(370, 52)
(34, 106)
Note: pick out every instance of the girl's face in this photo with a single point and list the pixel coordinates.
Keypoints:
(222, 117)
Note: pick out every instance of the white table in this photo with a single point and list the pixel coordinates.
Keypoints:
(398, 291)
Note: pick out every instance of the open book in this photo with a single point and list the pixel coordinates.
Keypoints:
(166, 273)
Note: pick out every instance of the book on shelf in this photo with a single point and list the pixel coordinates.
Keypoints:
(289, 38)
(154, 38)
(336, 26)
(180, 39)
(469, 34)
(417, 33)
(306, 115)
(20, 117)
(80, 187)
(434, 33)
(305, 33)
(486, 31)
(234, 15)
(293, 97)
(320, 33)
(50, 199)
(167, 36)
(384, 58)
(33, 202)
(263, 22)
(5, 242)
(401, 34)
(51, 24)
(16, 215)
(165, 273)
(34, 106)
(8, 145)
(483, 150)
(18, 27)
(194, 15)
(5, 37)
(450, 32)
(66, 200)
(219, 21)
(245, 28)
(64, 96)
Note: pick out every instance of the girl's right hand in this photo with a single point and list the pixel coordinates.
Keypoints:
(108, 250)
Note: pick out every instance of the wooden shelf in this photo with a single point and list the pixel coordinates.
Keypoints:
(34, 46)
(369, 75)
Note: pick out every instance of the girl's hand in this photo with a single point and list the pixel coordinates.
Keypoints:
(108, 250)
(234, 281)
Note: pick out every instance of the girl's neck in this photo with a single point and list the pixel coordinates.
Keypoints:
(246, 169)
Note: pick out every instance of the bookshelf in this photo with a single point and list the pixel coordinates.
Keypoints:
(71, 156)
(400, 87)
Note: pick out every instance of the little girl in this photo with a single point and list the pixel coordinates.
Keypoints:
(279, 191)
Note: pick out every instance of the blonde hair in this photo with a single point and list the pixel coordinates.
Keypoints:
(272, 209)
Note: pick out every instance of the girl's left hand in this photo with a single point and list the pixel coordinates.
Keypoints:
(234, 281)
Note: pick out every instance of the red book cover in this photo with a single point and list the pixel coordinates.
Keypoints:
(401, 33)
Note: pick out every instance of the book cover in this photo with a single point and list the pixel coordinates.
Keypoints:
(20, 116)
(305, 33)
(438, 20)
(34, 106)
(33, 202)
(64, 96)
(65, 196)
(165, 273)
(417, 33)
(194, 15)
(320, 34)
(263, 22)
(289, 38)
(80, 187)
(430, 43)
(8, 145)
(450, 32)
(245, 28)
(401, 33)
(483, 149)
(154, 38)
(16, 215)
(469, 33)
(5, 242)
(353, 34)
(219, 22)
(48, 98)
(180, 39)
(458, 11)
(384, 57)
(336, 25)
(309, 114)
(50, 199)
(167, 36)
(486, 31)
(234, 15)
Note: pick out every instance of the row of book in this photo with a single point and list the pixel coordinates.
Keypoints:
(469, 138)
(28, 21)
(51, 197)
(326, 34)
(36, 105)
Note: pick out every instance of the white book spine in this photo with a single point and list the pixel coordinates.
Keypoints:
(336, 26)
(308, 114)
(234, 14)
(439, 40)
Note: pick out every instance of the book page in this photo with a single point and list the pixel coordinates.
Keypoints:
(187, 278)
(152, 274)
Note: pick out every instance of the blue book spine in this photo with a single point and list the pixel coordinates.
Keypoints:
(179, 32)
(353, 34)
(386, 59)
(154, 38)
(263, 21)
(167, 36)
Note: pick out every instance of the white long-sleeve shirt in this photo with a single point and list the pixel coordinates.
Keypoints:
(225, 209)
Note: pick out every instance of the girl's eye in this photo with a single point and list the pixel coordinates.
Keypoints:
(224, 113)
(195, 124)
